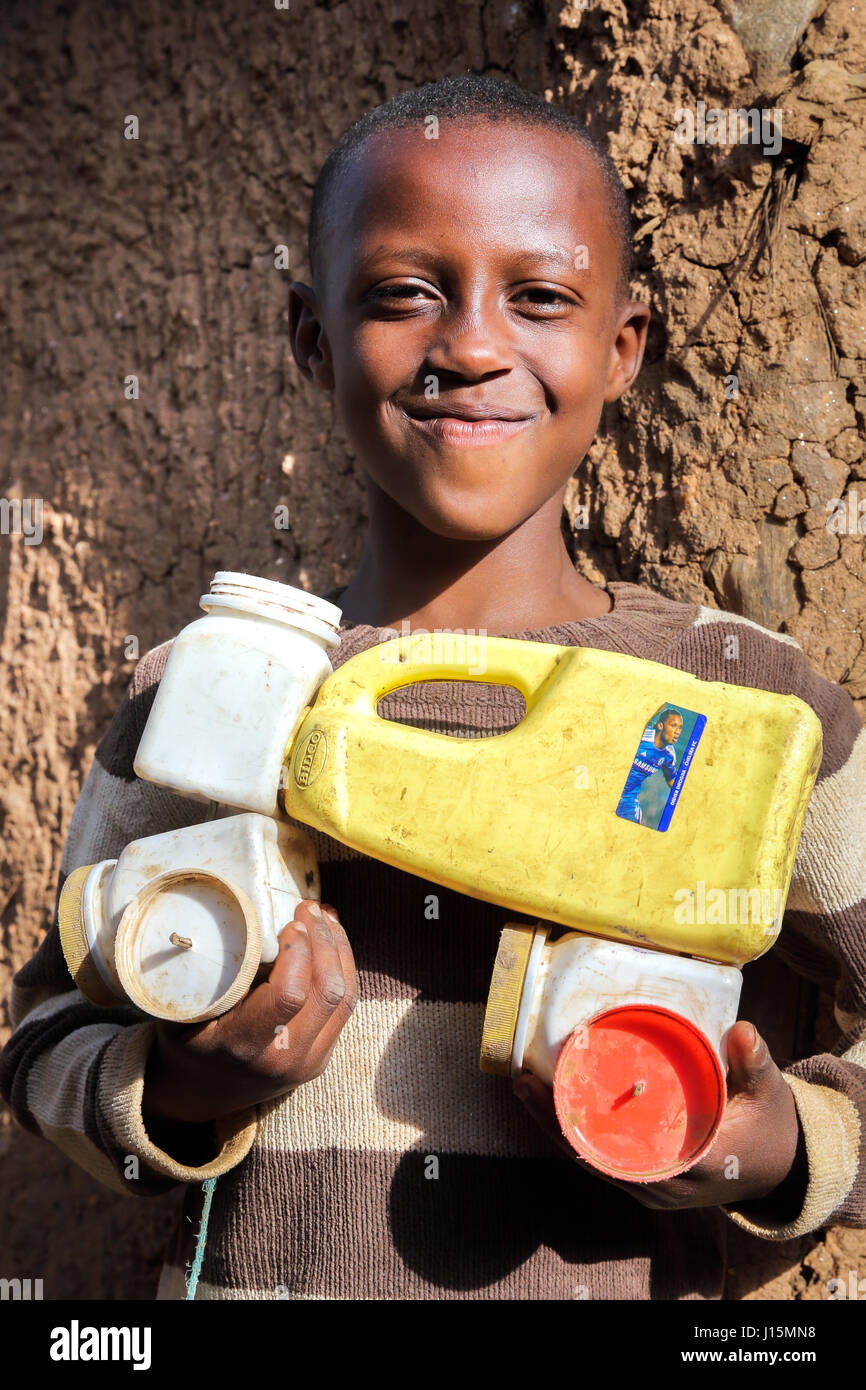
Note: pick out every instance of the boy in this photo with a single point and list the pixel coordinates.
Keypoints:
(470, 310)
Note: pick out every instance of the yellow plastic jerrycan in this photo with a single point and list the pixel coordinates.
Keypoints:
(633, 801)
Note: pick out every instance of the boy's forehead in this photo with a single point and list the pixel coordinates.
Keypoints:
(521, 186)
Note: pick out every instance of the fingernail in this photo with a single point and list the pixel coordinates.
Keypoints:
(756, 1039)
(330, 912)
(322, 922)
(299, 926)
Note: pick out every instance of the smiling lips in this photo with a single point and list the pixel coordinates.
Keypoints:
(467, 424)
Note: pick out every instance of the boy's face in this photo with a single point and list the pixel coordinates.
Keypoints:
(474, 274)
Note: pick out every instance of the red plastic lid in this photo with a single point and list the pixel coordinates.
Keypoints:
(639, 1093)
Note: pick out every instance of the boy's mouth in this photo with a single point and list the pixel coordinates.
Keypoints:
(466, 424)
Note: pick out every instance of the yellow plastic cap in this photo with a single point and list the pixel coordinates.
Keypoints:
(73, 939)
(503, 1001)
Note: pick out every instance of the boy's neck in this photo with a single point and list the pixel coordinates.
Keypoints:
(521, 582)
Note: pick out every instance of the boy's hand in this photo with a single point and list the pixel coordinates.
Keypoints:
(754, 1151)
(280, 1035)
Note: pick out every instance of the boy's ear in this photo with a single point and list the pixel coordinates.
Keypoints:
(309, 342)
(626, 354)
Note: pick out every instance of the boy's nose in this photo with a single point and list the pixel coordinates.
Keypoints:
(470, 345)
(470, 352)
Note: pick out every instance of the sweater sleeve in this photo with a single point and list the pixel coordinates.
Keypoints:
(824, 937)
(73, 1072)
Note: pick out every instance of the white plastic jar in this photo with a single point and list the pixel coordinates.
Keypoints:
(180, 923)
(234, 687)
(632, 1042)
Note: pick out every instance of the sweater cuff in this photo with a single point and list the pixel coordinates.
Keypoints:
(831, 1129)
(121, 1087)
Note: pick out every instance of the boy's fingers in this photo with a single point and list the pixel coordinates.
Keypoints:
(344, 950)
(750, 1065)
(281, 997)
(291, 973)
(311, 988)
(325, 1040)
(330, 952)
(328, 985)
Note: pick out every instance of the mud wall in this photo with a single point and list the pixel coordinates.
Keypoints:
(153, 258)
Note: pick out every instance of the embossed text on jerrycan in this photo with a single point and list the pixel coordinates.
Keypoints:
(633, 801)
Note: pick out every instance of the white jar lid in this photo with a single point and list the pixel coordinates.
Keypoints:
(269, 599)
(188, 945)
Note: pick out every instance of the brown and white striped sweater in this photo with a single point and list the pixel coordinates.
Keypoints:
(327, 1192)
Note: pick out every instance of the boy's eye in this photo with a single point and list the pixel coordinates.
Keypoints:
(544, 296)
(393, 292)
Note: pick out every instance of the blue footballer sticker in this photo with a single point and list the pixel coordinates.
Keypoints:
(660, 766)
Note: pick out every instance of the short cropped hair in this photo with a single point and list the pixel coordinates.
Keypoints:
(665, 716)
(464, 100)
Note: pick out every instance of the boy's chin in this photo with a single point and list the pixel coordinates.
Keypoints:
(465, 517)
(472, 527)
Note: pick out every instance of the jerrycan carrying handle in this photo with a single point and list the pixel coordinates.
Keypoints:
(404, 660)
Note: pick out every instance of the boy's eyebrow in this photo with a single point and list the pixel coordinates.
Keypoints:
(552, 255)
(417, 257)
